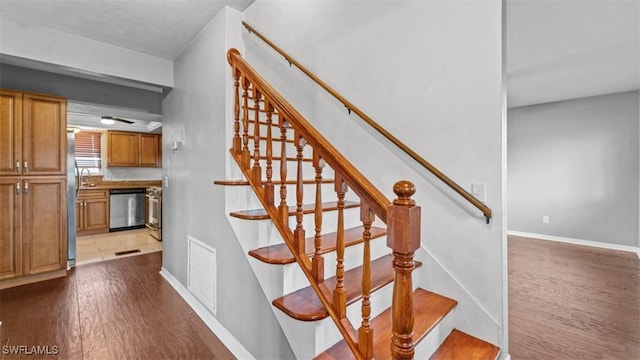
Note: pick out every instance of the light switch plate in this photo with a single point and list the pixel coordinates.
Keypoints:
(479, 191)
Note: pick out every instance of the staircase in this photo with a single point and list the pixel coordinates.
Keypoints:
(331, 251)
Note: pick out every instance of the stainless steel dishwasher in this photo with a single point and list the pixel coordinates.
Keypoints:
(126, 209)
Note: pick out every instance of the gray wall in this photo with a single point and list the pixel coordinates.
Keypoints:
(82, 90)
(577, 162)
(429, 72)
(194, 113)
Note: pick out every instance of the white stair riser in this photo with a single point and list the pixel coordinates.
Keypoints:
(294, 279)
(435, 337)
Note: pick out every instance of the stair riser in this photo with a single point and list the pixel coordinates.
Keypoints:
(294, 279)
(307, 339)
(380, 301)
(435, 337)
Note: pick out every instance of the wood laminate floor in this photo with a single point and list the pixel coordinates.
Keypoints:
(571, 302)
(117, 309)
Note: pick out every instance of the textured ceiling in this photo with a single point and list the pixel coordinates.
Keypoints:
(556, 49)
(161, 28)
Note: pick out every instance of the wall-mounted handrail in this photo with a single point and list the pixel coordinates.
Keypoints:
(350, 107)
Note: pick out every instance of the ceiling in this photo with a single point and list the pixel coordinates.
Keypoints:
(567, 49)
(161, 28)
(556, 49)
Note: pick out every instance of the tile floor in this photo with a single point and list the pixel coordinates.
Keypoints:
(101, 247)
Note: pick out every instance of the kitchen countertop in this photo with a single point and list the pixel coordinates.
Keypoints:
(122, 184)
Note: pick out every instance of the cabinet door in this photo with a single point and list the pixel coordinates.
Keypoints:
(10, 226)
(10, 132)
(44, 135)
(148, 145)
(44, 225)
(122, 149)
(96, 214)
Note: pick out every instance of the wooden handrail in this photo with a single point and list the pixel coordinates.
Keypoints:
(402, 216)
(356, 180)
(350, 107)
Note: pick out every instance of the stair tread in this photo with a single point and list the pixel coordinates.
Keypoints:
(304, 304)
(261, 213)
(278, 158)
(429, 309)
(242, 182)
(280, 254)
(461, 346)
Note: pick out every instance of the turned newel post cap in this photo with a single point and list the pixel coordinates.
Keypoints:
(231, 53)
(404, 190)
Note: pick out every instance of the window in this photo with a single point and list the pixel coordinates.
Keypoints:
(88, 150)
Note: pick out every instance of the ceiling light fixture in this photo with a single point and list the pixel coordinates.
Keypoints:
(107, 121)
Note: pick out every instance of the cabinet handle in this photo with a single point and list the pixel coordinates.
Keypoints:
(18, 166)
(26, 188)
(26, 166)
(17, 188)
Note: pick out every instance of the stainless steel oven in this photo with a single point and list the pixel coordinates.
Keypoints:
(154, 221)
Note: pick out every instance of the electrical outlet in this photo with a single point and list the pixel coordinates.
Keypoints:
(479, 191)
(545, 219)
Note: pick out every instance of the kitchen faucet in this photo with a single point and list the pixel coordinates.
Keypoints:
(82, 174)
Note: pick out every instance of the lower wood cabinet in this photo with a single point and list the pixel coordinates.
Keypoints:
(92, 212)
(33, 229)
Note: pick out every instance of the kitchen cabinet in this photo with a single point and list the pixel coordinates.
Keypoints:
(32, 134)
(33, 229)
(33, 187)
(134, 149)
(92, 212)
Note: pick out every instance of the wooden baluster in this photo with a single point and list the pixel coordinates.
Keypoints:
(298, 234)
(404, 239)
(257, 170)
(283, 209)
(340, 293)
(245, 123)
(317, 263)
(365, 333)
(237, 142)
(268, 187)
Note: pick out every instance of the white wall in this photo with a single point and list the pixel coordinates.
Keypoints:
(194, 113)
(430, 72)
(75, 52)
(577, 162)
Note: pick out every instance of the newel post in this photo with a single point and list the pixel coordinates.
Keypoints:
(403, 238)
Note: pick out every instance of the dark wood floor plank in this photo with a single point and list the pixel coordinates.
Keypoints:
(572, 302)
(119, 309)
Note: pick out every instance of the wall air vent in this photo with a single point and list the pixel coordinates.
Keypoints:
(202, 273)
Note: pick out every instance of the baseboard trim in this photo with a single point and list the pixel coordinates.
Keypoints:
(218, 329)
(617, 247)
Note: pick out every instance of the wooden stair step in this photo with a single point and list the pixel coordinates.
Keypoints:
(305, 305)
(275, 182)
(264, 122)
(279, 254)
(261, 214)
(276, 139)
(278, 158)
(462, 346)
(429, 309)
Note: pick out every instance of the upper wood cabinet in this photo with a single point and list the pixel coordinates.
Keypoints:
(33, 138)
(133, 149)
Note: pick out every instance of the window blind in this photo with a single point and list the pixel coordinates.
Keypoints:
(88, 149)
